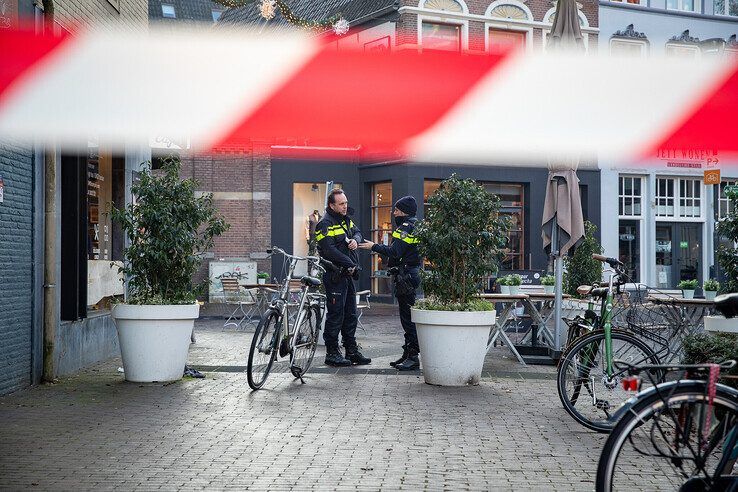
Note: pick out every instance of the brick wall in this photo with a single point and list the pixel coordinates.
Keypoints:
(16, 257)
(407, 25)
(241, 187)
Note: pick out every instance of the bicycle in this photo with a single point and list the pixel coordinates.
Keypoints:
(276, 336)
(679, 435)
(587, 381)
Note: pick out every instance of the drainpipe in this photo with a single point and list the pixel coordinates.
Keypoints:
(50, 215)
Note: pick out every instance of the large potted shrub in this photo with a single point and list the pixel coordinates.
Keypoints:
(168, 227)
(581, 269)
(462, 237)
(703, 348)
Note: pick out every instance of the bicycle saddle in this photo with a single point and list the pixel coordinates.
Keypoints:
(312, 281)
(727, 305)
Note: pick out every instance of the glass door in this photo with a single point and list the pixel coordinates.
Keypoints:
(678, 253)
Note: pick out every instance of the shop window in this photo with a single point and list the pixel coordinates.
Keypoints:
(439, 36)
(430, 186)
(684, 5)
(381, 232)
(90, 241)
(512, 206)
(725, 204)
(629, 247)
(308, 207)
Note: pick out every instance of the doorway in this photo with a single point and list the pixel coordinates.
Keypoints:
(678, 253)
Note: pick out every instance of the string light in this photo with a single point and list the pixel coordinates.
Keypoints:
(267, 9)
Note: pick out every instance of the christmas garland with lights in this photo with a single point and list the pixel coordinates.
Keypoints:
(267, 11)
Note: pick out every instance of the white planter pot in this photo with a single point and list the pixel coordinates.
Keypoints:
(261, 281)
(688, 294)
(710, 295)
(514, 289)
(505, 289)
(549, 289)
(453, 345)
(721, 324)
(154, 340)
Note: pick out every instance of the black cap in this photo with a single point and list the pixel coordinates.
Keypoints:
(407, 204)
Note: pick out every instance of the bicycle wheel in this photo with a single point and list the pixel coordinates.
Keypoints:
(306, 342)
(584, 389)
(263, 351)
(659, 444)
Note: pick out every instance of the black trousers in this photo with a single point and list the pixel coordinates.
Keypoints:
(405, 302)
(342, 315)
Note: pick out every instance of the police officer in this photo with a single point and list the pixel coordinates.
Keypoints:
(404, 264)
(338, 238)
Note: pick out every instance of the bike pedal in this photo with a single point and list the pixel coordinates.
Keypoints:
(602, 404)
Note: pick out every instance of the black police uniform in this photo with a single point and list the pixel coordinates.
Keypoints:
(403, 253)
(333, 233)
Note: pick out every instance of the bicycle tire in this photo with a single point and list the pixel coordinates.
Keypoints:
(587, 414)
(265, 332)
(301, 357)
(613, 465)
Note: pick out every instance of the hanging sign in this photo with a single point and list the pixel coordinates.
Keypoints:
(712, 176)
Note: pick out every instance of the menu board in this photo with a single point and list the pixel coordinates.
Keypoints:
(99, 177)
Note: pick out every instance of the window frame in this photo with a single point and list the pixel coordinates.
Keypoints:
(678, 199)
(638, 218)
(374, 233)
(463, 26)
(721, 200)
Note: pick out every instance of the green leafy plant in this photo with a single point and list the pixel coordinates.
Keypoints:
(169, 228)
(502, 281)
(548, 280)
(688, 284)
(263, 275)
(462, 238)
(727, 255)
(514, 279)
(711, 285)
(702, 348)
(580, 268)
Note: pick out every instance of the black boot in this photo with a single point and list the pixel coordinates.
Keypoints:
(357, 358)
(401, 359)
(335, 358)
(412, 363)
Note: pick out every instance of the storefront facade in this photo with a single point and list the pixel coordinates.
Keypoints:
(666, 223)
(372, 189)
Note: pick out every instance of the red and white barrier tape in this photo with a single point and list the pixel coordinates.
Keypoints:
(225, 89)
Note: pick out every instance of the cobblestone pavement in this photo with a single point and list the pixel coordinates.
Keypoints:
(367, 428)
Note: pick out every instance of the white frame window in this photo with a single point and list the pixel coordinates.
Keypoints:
(168, 11)
(631, 190)
(683, 50)
(503, 24)
(726, 8)
(462, 25)
(630, 196)
(724, 203)
(681, 6)
(679, 199)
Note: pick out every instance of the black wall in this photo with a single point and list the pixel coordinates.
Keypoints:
(407, 179)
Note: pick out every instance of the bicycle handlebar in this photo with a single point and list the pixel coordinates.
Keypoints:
(610, 261)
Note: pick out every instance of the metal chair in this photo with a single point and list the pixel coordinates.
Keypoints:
(362, 305)
(233, 293)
